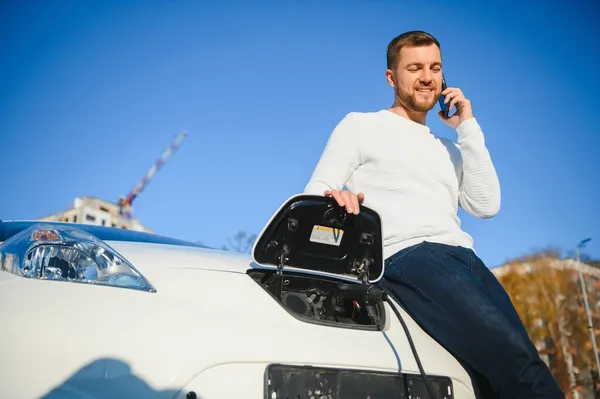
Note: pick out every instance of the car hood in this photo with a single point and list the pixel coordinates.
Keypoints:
(146, 256)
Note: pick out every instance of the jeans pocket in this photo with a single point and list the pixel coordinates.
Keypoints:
(464, 259)
(393, 260)
(398, 269)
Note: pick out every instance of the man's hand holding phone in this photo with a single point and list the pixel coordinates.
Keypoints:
(346, 199)
(455, 98)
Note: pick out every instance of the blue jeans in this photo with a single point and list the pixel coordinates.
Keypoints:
(457, 300)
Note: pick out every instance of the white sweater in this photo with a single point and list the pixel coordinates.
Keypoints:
(415, 180)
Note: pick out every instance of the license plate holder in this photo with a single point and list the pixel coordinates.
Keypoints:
(300, 382)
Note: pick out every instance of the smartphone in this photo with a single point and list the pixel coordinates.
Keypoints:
(445, 107)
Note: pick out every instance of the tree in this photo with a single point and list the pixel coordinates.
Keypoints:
(241, 242)
(546, 293)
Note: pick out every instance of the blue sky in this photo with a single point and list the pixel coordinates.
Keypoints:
(91, 92)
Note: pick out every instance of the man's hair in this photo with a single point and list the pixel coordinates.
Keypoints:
(414, 38)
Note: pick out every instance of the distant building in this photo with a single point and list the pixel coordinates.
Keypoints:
(95, 211)
(589, 270)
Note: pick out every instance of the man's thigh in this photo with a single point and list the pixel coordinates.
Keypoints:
(499, 296)
(436, 286)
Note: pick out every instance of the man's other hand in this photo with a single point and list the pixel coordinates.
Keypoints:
(347, 199)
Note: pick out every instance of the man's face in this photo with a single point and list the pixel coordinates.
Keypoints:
(417, 78)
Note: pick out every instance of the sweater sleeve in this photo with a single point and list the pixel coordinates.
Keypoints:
(479, 191)
(339, 159)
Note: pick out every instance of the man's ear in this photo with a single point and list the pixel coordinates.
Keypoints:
(389, 76)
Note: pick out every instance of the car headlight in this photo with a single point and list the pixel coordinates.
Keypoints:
(67, 253)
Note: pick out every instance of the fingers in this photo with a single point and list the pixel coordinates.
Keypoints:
(347, 199)
(350, 201)
(454, 98)
(361, 198)
(454, 102)
(450, 90)
(338, 197)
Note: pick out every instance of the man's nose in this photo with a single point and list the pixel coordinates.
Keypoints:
(426, 76)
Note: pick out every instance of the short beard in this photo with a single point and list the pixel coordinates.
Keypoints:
(410, 102)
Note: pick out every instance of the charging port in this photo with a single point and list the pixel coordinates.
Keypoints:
(323, 300)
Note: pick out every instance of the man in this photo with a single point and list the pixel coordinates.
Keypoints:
(390, 161)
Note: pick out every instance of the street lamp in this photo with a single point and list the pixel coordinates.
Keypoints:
(582, 244)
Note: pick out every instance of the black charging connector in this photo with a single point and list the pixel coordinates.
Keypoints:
(367, 293)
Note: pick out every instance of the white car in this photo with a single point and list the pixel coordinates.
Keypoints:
(98, 312)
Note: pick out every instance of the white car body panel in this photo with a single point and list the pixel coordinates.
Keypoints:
(209, 328)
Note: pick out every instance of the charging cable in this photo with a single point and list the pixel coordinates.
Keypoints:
(376, 293)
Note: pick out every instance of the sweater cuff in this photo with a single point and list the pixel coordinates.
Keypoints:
(469, 129)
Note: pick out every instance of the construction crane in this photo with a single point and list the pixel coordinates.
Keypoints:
(125, 203)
